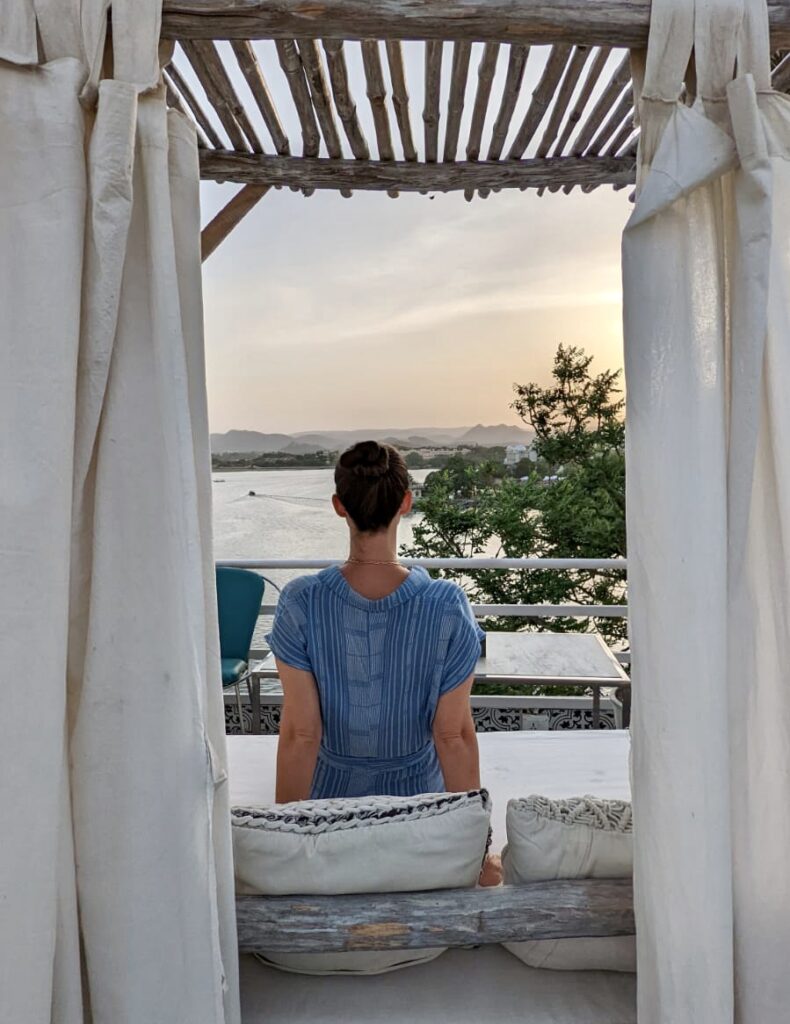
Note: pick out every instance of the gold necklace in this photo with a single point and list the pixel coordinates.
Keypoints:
(373, 561)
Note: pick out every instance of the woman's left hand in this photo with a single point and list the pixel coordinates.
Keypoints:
(492, 871)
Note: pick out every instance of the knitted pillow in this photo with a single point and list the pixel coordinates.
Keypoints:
(579, 838)
(358, 845)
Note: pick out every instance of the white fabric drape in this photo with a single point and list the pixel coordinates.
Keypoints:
(706, 269)
(116, 888)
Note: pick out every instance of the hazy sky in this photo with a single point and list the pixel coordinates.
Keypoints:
(325, 312)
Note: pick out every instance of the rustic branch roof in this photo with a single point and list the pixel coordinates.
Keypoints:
(541, 88)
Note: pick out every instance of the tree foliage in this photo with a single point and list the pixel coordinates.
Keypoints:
(571, 505)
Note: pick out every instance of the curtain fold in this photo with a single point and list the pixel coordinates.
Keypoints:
(115, 868)
(707, 335)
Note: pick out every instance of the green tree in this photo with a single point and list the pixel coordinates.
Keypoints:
(572, 505)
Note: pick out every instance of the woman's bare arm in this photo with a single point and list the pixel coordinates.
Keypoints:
(300, 734)
(456, 744)
(456, 740)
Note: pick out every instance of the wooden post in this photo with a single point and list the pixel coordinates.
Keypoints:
(228, 217)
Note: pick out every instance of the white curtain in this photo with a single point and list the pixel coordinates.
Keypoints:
(116, 890)
(706, 268)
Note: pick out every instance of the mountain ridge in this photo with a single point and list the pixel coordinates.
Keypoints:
(248, 441)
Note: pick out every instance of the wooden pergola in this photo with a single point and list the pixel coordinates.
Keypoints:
(577, 129)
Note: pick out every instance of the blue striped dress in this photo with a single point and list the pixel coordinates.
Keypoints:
(380, 668)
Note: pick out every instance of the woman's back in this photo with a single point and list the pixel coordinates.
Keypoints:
(380, 667)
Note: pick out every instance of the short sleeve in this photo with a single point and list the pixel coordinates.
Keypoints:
(288, 638)
(463, 648)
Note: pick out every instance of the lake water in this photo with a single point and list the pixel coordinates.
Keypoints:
(288, 517)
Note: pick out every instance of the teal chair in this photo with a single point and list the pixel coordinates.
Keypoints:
(239, 596)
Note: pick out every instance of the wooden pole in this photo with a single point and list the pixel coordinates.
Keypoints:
(485, 78)
(583, 908)
(580, 104)
(462, 51)
(291, 63)
(431, 112)
(563, 98)
(517, 61)
(319, 91)
(218, 229)
(251, 69)
(174, 100)
(377, 96)
(191, 101)
(344, 101)
(206, 61)
(591, 22)
(400, 97)
(404, 176)
(540, 100)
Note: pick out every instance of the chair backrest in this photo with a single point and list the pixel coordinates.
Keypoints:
(239, 596)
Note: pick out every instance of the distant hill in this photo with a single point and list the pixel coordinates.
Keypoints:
(503, 433)
(249, 441)
(246, 441)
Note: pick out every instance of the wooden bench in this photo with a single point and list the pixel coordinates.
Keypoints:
(583, 908)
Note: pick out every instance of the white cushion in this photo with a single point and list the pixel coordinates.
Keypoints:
(579, 838)
(359, 845)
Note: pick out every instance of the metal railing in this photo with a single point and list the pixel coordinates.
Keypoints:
(546, 611)
(480, 610)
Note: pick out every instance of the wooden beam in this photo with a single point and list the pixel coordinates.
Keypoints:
(377, 97)
(319, 91)
(218, 229)
(580, 104)
(620, 78)
(517, 61)
(610, 126)
(291, 63)
(540, 100)
(400, 98)
(603, 22)
(627, 129)
(431, 112)
(585, 908)
(401, 175)
(563, 98)
(174, 100)
(217, 85)
(485, 78)
(344, 101)
(780, 76)
(251, 69)
(191, 101)
(462, 51)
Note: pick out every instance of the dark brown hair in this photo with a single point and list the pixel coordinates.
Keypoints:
(371, 480)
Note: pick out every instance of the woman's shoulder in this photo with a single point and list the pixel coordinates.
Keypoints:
(444, 592)
(297, 590)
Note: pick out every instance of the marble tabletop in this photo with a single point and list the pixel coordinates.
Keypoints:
(545, 658)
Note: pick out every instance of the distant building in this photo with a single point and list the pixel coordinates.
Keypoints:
(514, 453)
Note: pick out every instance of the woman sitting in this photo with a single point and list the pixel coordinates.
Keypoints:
(376, 661)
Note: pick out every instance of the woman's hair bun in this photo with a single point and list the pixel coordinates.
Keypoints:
(366, 459)
(371, 481)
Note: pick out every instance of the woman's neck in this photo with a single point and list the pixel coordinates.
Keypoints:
(374, 547)
(372, 569)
